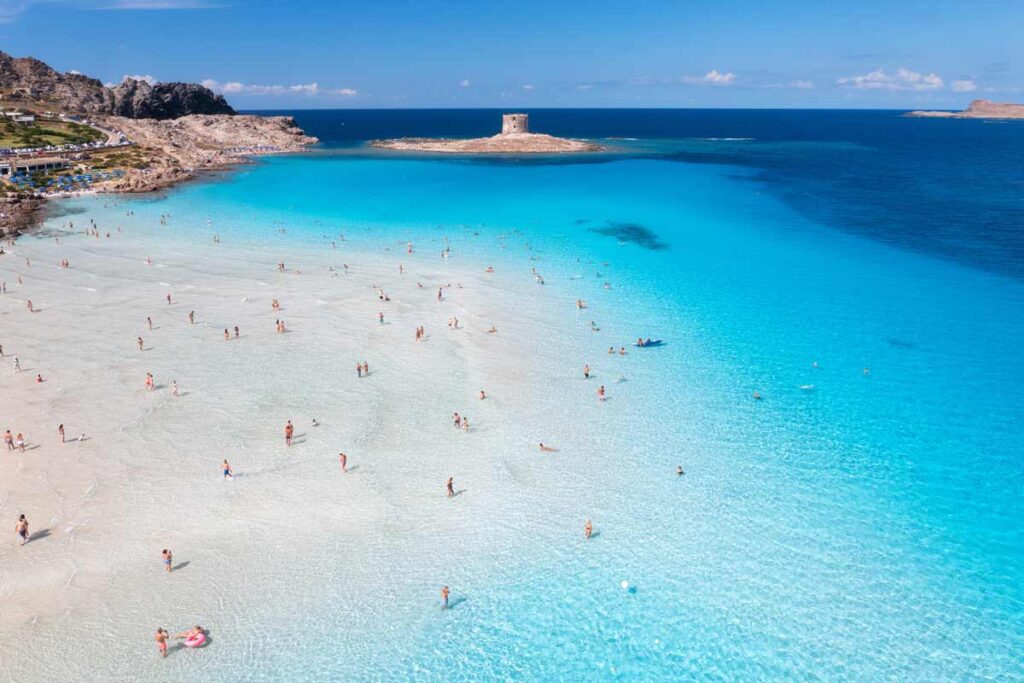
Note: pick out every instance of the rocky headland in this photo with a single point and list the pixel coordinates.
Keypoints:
(506, 143)
(174, 131)
(178, 149)
(978, 109)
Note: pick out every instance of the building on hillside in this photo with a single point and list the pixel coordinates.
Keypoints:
(25, 120)
(29, 166)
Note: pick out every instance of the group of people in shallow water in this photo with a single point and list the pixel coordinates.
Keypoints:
(461, 422)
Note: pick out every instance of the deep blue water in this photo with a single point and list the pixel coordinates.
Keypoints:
(949, 188)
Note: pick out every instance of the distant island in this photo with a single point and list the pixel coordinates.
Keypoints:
(66, 133)
(978, 109)
(515, 138)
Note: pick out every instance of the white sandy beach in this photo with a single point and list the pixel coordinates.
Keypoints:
(147, 476)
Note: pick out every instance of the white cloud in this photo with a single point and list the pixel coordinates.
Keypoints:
(966, 85)
(464, 83)
(528, 86)
(10, 11)
(903, 79)
(713, 77)
(145, 77)
(308, 89)
(801, 84)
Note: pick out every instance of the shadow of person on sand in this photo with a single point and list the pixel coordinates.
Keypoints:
(181, 565)
(39, 535)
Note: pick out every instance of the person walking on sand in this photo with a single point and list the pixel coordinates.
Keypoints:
(380, 318)
(21, 529)
(588, 529)
(236, 331)
(161, 641)
(225, 468)
(343, 461)
(444, 597)
(359, 369)
(17, 364)
(19, 441)
(366, 369)
(139, 341)
(191, 317)
(227, 337)
(168, 298)
(9, 440)
(289, 431)
(30, 308)
(168, 559)
(174, 388)
(450, 486)
(60, 430)
(149, 322)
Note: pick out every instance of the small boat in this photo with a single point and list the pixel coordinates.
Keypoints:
(644, 343)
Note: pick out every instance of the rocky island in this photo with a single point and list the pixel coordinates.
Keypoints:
(515, 138)
(978, 109)
(136, 136)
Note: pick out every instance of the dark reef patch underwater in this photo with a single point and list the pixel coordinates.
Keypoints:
(631, 233)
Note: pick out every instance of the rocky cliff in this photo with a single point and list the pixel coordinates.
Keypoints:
(28, 80)
(137, 99)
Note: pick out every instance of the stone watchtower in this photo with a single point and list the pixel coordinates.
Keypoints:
(515, 123)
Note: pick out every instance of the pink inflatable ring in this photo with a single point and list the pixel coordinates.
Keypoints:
(196, 640)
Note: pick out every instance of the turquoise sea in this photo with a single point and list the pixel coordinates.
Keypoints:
(862, 272)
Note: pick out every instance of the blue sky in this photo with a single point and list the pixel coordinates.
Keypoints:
(528, 53)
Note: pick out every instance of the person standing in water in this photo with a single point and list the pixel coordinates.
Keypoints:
(444, 597)
(586, 371)
(161, 641)
(21, 528)
(588, 529)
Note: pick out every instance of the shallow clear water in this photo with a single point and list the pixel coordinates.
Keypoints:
(850, 525)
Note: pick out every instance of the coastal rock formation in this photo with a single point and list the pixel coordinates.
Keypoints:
(515, 143)
(137, 99)
(179, 148)
(18, 213)
(978, 109)
(28, 80)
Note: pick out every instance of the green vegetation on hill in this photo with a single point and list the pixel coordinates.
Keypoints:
(46, 133)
